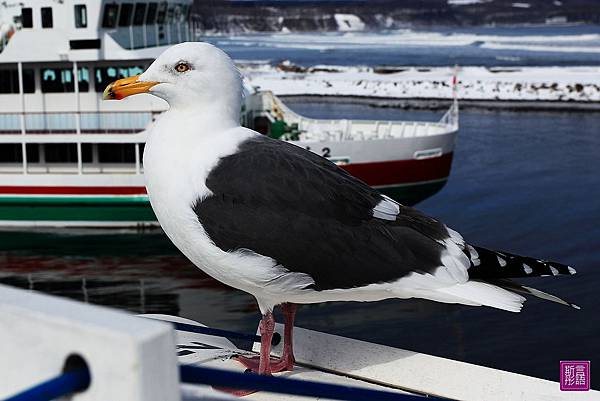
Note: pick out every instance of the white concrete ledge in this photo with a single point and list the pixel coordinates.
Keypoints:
(130, 358)
(421, 372)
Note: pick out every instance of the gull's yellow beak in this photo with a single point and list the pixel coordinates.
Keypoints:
(122, 88)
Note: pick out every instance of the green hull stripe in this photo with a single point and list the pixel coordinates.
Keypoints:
(76, 208)
(137, 208)
(140, 213)
(71, 200)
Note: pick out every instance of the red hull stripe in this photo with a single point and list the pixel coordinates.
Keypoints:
(402, 171)
(395, 172)
(72, 190)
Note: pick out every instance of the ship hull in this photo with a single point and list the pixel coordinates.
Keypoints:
(114, 205)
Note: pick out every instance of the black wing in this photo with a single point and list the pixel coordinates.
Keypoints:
(311, 216)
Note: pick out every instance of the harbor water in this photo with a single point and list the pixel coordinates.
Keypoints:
(526, 183)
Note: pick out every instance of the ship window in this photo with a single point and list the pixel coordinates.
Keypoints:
(151, 15)
(86, 153)
(60, 152)
(170, 13)
(142, 146)
(80, 16)
(27, 17)
(162, 12)
(9, 81)
(116, 153)
(109, 19)
(139, 13)
(179, 9)
(126, 14)
(105, 75)
(11, 153)
(186, 12)
(46, 17)
(33, 152)
(83, 78)
(28, 81)
(56, 80)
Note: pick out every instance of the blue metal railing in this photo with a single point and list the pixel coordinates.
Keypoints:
(59, 386)
(221, 333)
(74, 381)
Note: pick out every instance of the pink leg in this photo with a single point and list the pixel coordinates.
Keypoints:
(286, 362)
(266, 328)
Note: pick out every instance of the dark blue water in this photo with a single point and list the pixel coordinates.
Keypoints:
(481, 46)
(523, 182)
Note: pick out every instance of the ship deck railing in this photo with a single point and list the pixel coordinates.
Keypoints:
(84, 122)
(78, 129)
(71, 168)
(313, 129)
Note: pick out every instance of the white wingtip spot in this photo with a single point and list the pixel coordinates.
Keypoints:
(554, 271)
(386, 209)
(576, 306)
(527, 268)
(501, 261)
(473, 252)
(571, 270)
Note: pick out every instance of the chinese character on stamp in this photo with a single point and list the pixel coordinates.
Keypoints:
(574, 375)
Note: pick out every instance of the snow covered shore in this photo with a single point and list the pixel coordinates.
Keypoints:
(531, 84)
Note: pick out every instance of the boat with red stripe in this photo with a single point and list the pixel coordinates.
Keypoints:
(69, 159)
(408, 161)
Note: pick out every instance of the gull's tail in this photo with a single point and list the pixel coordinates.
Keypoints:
(497, 268)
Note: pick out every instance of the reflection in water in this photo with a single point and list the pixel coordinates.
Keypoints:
(140, 273)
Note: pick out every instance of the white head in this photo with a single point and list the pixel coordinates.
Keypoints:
(191, 76)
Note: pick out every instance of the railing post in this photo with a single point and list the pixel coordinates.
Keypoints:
(144, 32)
(22, 117)
(77, 116)
(137, 159)
(348, 132)
(130, 36)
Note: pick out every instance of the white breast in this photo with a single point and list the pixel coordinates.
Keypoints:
(176, 165)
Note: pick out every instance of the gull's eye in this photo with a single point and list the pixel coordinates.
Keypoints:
(182, 67)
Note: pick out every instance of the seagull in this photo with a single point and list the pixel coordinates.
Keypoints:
(288, 226)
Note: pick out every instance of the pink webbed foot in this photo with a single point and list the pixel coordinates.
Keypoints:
(251, 363)
(283, 364)
(264, 364)
(276, 365)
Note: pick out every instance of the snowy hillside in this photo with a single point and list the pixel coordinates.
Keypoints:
(567, 84)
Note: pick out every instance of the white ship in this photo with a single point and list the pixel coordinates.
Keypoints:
(69, 159)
